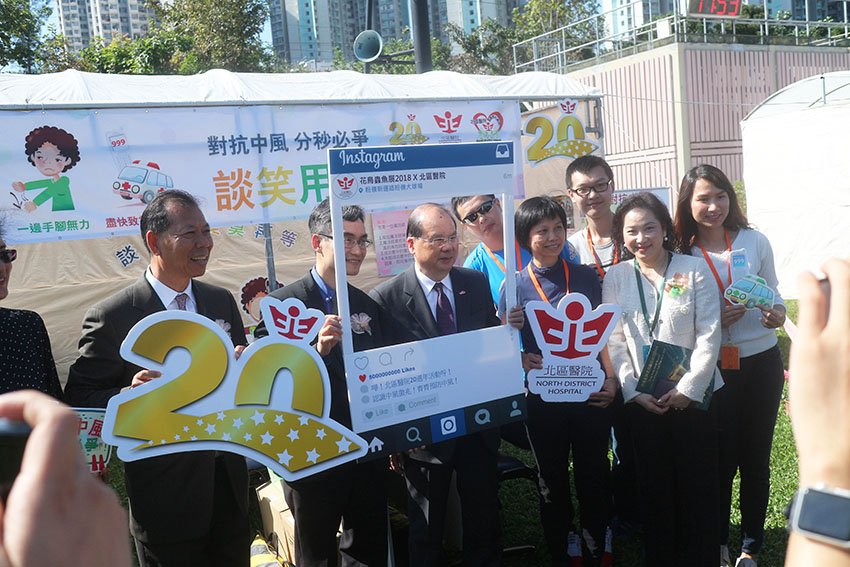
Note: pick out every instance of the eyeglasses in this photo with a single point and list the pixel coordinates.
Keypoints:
(440, 241)
(8, 255)
(600, 187)
(350, 243)
(482, 210)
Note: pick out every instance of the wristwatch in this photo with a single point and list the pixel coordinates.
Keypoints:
(821, 513)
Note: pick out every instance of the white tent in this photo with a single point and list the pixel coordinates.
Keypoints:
(60, 280)
(796, 173)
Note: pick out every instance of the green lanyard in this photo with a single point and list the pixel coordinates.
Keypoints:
(643, 299)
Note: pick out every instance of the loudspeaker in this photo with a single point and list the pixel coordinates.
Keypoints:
(368, 45)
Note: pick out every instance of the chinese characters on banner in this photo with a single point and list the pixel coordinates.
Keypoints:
(247, 165)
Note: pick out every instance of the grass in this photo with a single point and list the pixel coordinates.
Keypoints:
(521, 517)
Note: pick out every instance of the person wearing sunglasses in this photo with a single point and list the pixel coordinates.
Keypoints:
(26, 360)
(481, 215)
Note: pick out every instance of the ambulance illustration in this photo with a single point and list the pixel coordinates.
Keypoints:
(750, 291)
(142, 181)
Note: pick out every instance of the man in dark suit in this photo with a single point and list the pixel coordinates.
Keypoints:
(430, 299)
(353, 492)
(190, 508)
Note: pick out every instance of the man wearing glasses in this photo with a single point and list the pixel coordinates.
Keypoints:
(430, 299)
(482, 216)
(590, 185)
(353, 492)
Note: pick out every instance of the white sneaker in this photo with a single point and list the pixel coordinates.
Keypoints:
(725, 560)
(574, 550)
(744, 561)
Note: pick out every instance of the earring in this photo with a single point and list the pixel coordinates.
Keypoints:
(665, 238)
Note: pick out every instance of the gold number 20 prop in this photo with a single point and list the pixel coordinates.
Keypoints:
(271, 405)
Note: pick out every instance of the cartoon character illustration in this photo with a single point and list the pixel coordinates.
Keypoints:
(141, 180)
(252, 292)
(52, 151)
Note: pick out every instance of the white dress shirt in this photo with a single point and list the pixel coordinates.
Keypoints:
(168, 295)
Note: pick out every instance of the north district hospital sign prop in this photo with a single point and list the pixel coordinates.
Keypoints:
(570, 338)
(272, 404)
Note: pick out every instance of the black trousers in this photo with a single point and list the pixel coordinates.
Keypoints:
(676, 458)
(555, 430)
(352, 493)
(623, 472)
(227, 543)
(477, 485)
(746, 410)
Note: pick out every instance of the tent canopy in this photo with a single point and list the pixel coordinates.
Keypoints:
(806, 93)
(75, 89)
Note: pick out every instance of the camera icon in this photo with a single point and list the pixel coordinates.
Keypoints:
(448, 425)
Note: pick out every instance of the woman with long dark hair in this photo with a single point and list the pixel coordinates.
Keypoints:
(667, 297)
(711, 225)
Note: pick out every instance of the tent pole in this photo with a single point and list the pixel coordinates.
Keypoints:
(267, 237)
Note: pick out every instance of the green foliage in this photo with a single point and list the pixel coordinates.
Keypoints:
(541, 16)
(224, 33)
(20, 24)
(741, 194)
(487, 50)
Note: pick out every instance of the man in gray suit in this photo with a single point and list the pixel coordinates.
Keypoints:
(187, 509)
(430, 299)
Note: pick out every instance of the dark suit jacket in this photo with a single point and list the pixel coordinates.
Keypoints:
(307, 291)
(171, 496)
(403, 298)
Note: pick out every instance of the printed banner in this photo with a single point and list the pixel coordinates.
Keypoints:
(89, 433)
(89, 173)
(391, 253)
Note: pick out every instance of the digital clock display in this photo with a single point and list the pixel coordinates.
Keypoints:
(715, 8)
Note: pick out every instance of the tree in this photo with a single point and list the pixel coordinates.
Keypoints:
(20, 24)
(224, 33)
(541, 16)
(487, 50)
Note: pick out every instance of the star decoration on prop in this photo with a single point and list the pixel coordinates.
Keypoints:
(188, 409)
(295, 441)
(570, 337)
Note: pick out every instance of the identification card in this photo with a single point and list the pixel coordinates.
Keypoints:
(729, 358)
(646, 352)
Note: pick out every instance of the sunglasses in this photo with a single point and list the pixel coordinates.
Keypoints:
(482, 210)
(8, 255)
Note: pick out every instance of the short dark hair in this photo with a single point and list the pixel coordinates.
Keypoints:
(320, 217)
(533, 211)
(686, 225)
(414, 222)
(648, 202)
(64, 142)
(458, 201)
(583, 165)
(155, 217)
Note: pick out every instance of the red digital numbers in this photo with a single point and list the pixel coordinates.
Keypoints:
(116, 143)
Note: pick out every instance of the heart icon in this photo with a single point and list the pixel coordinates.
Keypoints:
(369, 414)
(361, 362)
(362, 377)
(490, 124)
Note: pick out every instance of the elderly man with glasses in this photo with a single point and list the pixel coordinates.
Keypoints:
(481, 215)
(430, 299)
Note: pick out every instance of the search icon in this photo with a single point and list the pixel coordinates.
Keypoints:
(412, 435)
(482, 416)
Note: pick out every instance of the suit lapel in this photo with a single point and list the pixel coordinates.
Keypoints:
(312, 297)
(144, 297)
(417, 305)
